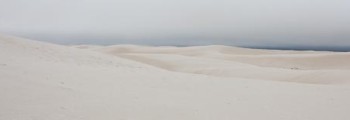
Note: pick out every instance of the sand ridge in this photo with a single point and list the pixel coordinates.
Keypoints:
(226, 61)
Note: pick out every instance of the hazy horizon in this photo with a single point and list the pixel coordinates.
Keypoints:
(306, 24)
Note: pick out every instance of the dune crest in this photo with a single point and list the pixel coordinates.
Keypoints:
(234, 62)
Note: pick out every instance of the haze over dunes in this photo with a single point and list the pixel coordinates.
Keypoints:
(44, 81)
(293, 24)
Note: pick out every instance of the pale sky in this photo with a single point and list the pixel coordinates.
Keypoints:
(180, 22)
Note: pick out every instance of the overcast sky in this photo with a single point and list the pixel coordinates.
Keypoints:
(180, 22)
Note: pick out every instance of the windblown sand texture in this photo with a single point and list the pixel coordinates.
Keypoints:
(42, 81)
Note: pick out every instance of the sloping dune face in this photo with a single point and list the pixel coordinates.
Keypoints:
(223, 61)
(41, 81)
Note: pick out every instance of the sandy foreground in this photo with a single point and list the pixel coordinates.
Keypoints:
(42, 81)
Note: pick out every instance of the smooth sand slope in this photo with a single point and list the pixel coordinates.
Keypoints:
(41, 81)
(223, 61)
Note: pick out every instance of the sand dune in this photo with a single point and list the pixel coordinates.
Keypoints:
(42, 81)
(225, 61)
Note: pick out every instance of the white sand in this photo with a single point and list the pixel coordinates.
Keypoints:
(41, 81)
